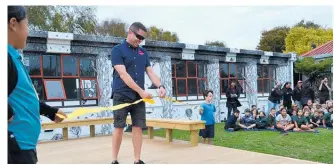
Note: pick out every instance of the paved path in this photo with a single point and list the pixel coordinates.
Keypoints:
(97, 150)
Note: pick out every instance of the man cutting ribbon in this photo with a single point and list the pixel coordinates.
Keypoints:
(130, 63)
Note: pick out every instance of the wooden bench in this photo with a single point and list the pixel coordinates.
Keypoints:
(169, 124)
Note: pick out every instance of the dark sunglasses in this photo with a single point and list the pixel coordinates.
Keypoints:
(138, 36)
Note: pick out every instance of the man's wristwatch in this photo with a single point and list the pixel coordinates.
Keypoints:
(161, 86)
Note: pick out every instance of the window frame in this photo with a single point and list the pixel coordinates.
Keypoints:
(62, 66)
(40, 67)
(79, 67)
(186, 96)
(97, 89)
(263, 79)
(62, 86)
(80, 96)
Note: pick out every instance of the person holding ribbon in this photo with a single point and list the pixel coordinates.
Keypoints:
(130, 62)
(24, 107)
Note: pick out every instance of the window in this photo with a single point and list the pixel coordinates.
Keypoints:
(71, 68)
(266, 79)
(87, 66)
(189, 79)
(54, 89)
(89, 88)
(232, 72)
(39, 87)
(34, 63)
(51, 65)
(63, 77)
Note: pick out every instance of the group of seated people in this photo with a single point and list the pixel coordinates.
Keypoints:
(306, 119)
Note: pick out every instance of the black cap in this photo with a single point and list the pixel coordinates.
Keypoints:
(247, 110)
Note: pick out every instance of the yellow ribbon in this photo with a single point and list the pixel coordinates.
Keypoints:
(83, 111)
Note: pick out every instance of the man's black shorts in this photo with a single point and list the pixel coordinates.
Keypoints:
(137, 112)
(208, 132)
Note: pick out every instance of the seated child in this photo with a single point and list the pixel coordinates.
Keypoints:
(294, 113)
(321, 118)
(284, 121)
(271, 119)
(324, 108)
(279, 112)
(315, 119)
(231, 123)
(294, 108)
(317, 107)
(255, 113)
(306, 108)
(329, 104)
(261, 121)
(247, 121)
(308, 118)
(328, 118)
(301, 123)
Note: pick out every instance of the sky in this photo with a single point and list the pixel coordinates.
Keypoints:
(238, 26)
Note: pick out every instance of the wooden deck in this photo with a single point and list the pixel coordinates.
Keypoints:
(97, 150)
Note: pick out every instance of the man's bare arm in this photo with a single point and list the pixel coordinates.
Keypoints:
(153, 77)
(127, 78)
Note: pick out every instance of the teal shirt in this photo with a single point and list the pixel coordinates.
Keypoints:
(208, 113)
(24, 101)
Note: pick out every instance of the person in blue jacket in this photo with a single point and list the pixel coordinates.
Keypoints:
(24, 107)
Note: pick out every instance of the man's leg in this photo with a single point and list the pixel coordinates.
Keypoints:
(137, 141)
(116, 142)
(119, 124)
(138, 117)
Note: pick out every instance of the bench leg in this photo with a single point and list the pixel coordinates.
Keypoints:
(194, 137)
(92, 130)
(65, 133)
(150, 132)
(169, 137)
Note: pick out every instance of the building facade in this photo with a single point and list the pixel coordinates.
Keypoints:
(72, 70)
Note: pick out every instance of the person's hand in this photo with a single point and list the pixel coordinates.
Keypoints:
(201, 111)
(162, 92)
(322, 81)
(278, 83)
(59, 119)
(145, 95)
(11, 119)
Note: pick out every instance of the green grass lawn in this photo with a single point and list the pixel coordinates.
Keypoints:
(307, 146)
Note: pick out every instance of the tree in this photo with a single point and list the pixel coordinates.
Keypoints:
(215, 43)
(315, 71)
(74, 19)
(274, 39)
(307, 24)
(112, 27)
(155, 33)
(300, 39)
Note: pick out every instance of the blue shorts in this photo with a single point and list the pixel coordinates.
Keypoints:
(208, 132)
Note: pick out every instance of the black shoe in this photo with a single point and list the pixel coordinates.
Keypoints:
(139, 162)
(114, 162)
